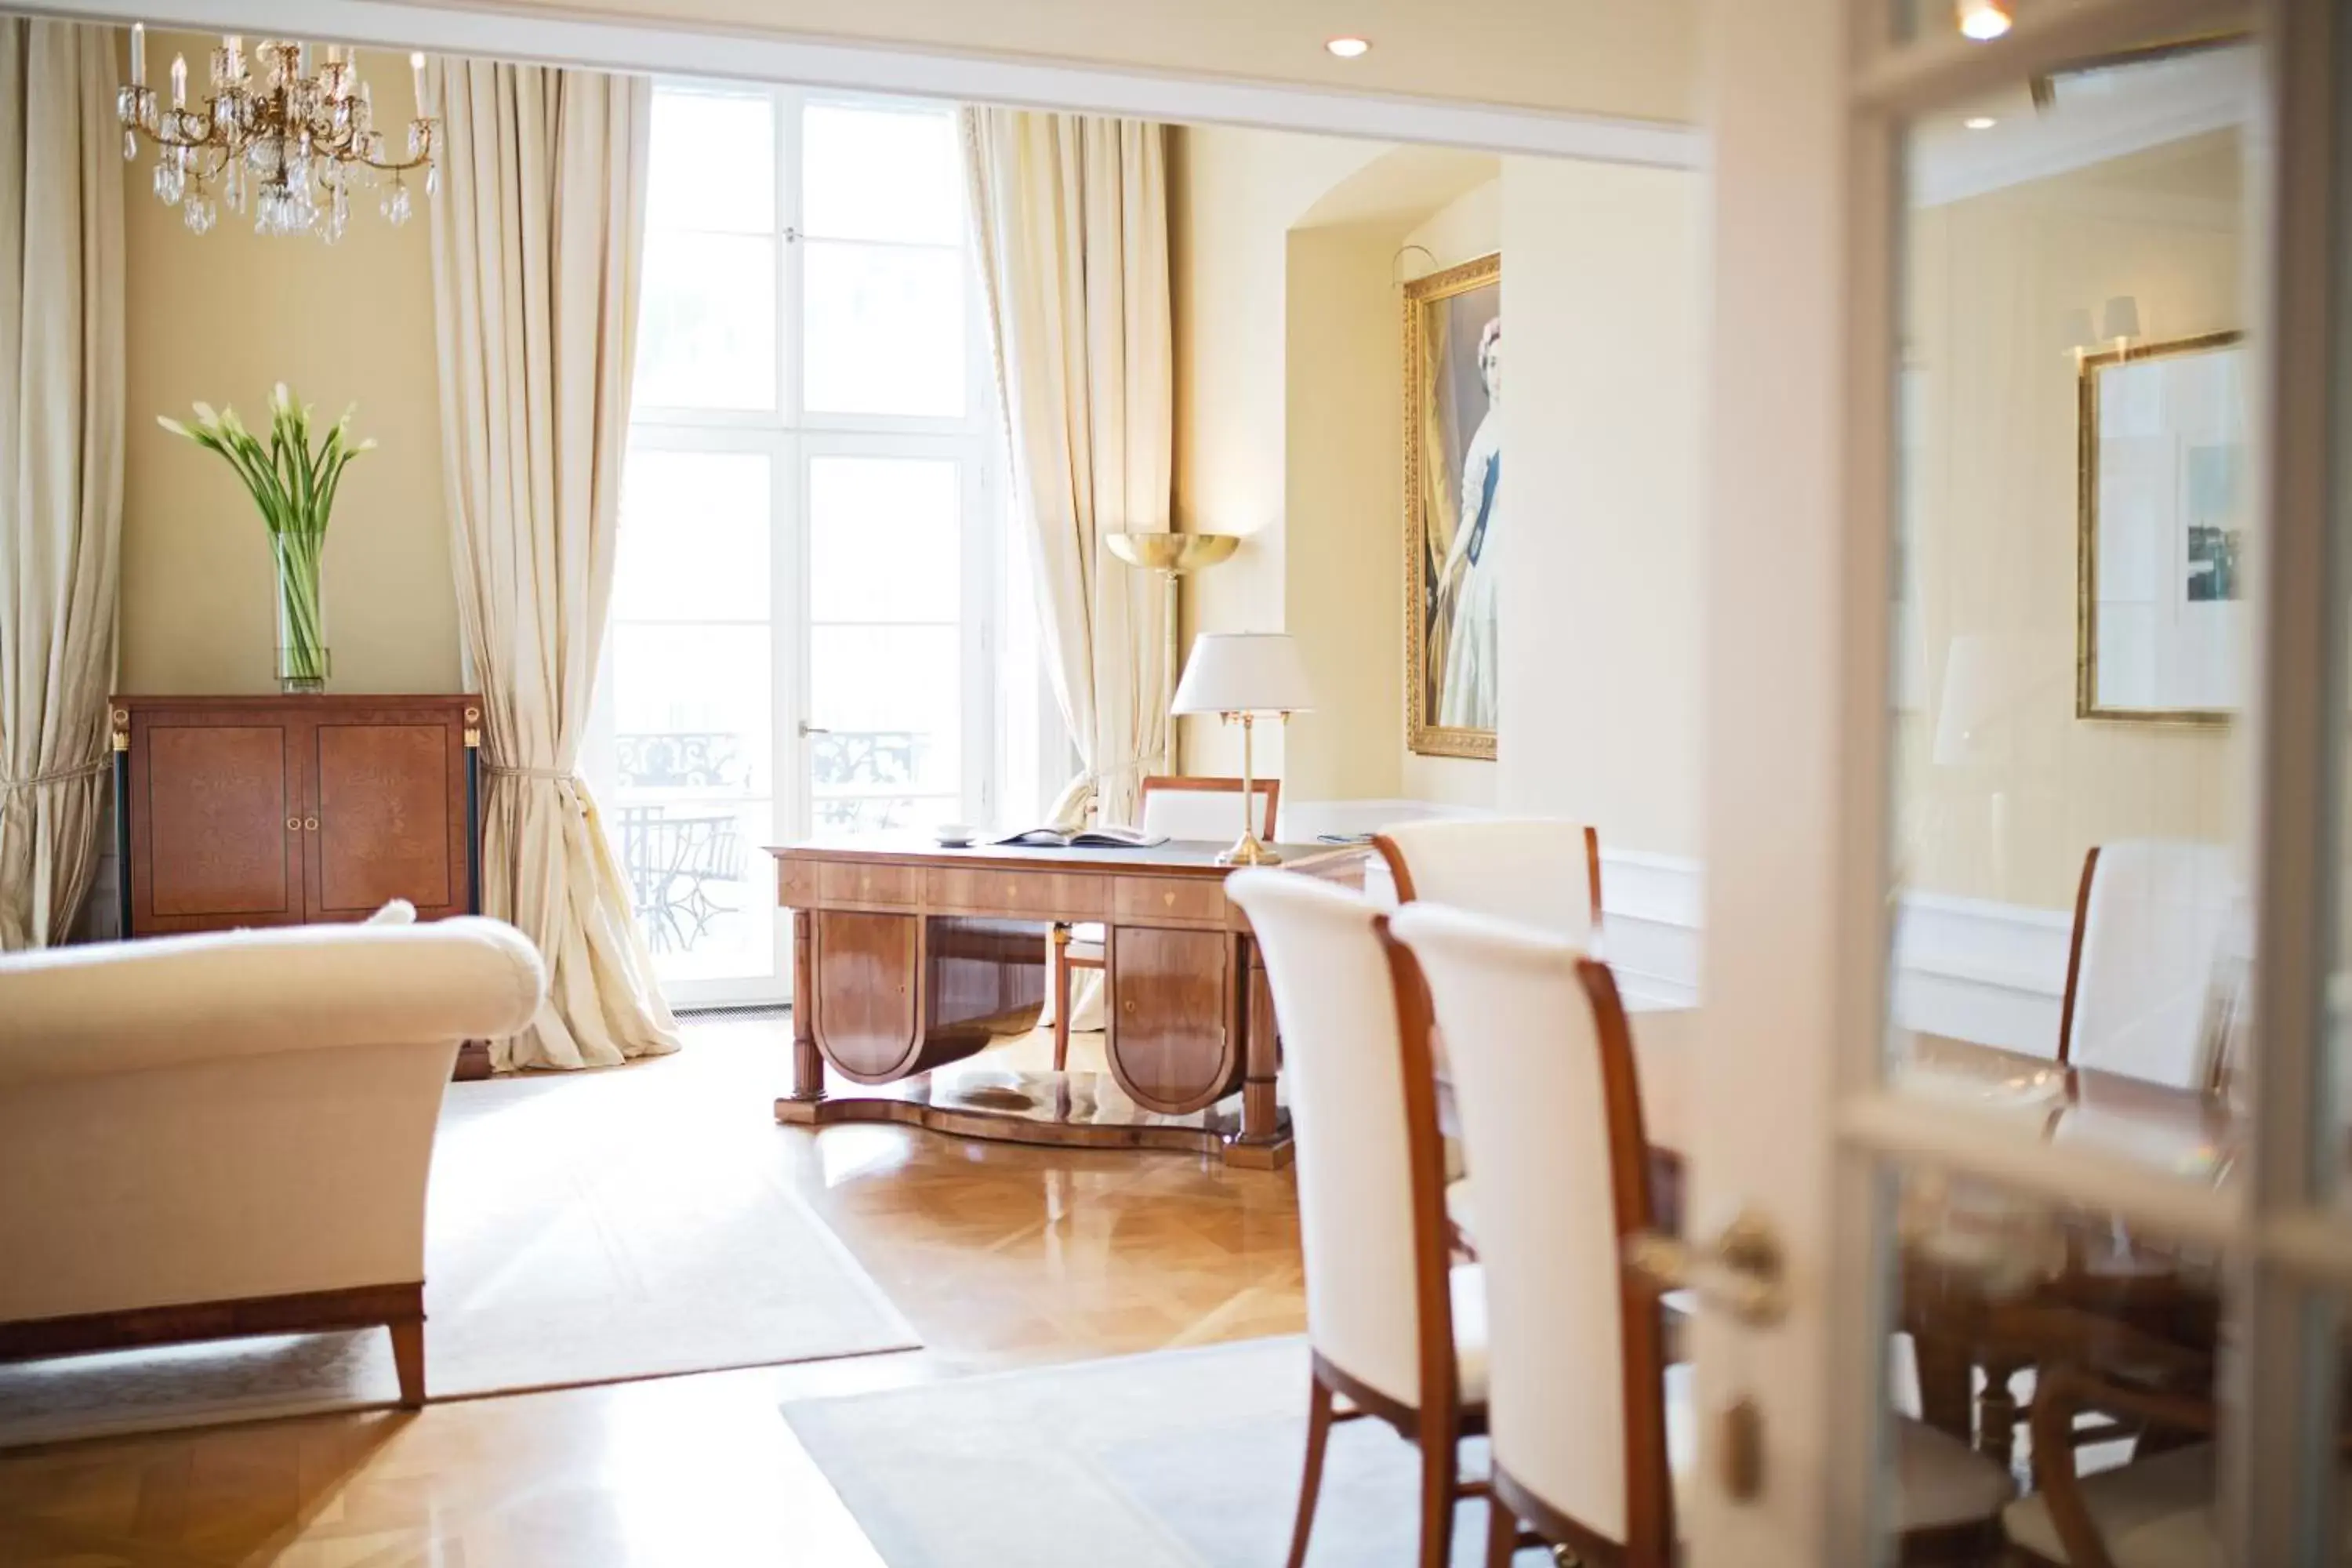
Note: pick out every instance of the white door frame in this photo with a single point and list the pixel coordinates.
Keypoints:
(1807, 100)
(762, 55)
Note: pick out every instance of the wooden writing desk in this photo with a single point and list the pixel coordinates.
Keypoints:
(907, 958)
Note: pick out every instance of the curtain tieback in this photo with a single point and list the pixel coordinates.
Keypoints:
(54, 776)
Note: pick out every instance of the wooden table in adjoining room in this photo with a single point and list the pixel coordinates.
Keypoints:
(910, 958)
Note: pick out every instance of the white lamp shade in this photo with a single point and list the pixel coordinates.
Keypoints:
(1243, 672)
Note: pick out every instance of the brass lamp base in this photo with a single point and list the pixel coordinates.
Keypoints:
(1248, 851)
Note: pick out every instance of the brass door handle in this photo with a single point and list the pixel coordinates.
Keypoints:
(312, 823)
(293, 824)
(1740, 1273)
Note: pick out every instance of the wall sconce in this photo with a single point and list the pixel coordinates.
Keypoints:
(2119, 328)
(2119, 323)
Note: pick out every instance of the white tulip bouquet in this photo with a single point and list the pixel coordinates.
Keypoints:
(295, 489)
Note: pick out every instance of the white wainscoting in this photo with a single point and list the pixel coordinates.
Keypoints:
(1969, 968)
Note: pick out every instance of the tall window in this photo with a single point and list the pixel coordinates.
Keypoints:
(801, 616)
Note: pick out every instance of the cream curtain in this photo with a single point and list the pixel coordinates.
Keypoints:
(60, 462)
(1070, 215)
(538, 241)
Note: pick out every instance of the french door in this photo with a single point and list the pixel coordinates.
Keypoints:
(803, 606)
(2029, 365)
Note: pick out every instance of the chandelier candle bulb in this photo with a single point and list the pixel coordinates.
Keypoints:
(138, 54)
(416, 69)
(179, 81)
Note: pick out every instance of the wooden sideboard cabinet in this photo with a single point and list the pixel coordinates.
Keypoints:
(252, 810)
(259, 811)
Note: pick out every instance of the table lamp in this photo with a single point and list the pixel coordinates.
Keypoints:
(1240, 675)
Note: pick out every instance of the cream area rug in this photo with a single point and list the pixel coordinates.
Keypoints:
(1181, 1459)
(585, 1227)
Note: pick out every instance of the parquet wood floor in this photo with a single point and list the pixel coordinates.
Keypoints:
(999, 1256)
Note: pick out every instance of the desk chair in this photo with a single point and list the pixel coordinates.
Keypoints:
(1182, 808)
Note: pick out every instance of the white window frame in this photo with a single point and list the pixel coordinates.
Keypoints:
(790, 436)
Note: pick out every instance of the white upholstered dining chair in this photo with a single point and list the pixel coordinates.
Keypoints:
(1535, 870)
(1393, 1328)
(1174, 808)
(1586, 1439)
(2151, 920)
(1539, 871)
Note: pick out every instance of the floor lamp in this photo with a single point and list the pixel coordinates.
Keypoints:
(1171, 555)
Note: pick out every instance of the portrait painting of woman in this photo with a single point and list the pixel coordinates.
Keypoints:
(1453, 540)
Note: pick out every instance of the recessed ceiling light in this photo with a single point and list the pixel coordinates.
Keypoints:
(1980, 122)
(1348, 48)
(1985, 19)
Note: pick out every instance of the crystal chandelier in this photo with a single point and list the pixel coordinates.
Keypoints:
(272, 135)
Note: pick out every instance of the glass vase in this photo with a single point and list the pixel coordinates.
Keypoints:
(302, 659)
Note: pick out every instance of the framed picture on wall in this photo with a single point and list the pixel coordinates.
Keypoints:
(2161, 627)
(1454, 535)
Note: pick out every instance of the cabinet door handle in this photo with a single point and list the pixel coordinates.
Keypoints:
(293, 824)
(311, 823)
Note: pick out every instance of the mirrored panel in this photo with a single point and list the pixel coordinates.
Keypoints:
(2071, 630)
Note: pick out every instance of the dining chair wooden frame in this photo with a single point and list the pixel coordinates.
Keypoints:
(1650, 1530)
(1438, 1425)
(2074, 952)
(1091, 956)
(1401, 869)
(1648, 1537)
(2065, 1392)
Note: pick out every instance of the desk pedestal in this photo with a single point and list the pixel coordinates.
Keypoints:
(901, 971)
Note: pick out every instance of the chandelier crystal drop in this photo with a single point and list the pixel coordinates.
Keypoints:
(275, 137)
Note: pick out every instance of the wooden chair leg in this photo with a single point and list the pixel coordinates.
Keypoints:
(1440, 1479)
(408, 1360)
(1061, 998)
(1502, 1532)
(1318, 1436)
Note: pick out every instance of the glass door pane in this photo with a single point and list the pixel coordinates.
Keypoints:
(887, 740)
(692, 801)
(2072, 632)
(884, 280)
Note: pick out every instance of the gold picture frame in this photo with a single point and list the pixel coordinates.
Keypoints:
(2092, 700)
(1442, 592)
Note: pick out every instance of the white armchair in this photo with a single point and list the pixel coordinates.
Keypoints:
(212, 1136)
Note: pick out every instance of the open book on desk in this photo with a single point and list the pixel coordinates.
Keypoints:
(1085, 838)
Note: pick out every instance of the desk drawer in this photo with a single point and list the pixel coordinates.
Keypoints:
(1040, 895)
(1145, 901)
(864, 882)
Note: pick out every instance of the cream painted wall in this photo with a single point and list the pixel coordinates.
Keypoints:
(1992, 281)
(1233, 197)
(1600, 629)
(1603, 379)
(1631, 57)
(1343, 590)
(1465, 230)
(222, 317)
